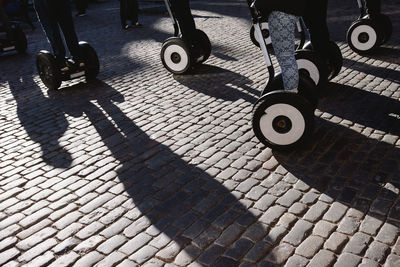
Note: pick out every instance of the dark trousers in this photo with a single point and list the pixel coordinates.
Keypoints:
(54, 15)
(183, 15)
(129, 11)
(373, 7)
(81, 5)
(315, 19)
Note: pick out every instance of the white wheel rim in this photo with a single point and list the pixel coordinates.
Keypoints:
(310, 67)
(182, 64)
(371, 34)
(264, 26)
(295, 117)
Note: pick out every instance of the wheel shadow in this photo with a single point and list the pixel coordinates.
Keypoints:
(362, 107)
(381, 72)
(219, 83)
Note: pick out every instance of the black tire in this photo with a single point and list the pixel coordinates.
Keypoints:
(91, 60)
(386, 26)
(306, 88)
(175, 55)
(282, 120)
(48, 70)
(265, 33)
(310, 62)
(20, 40)
(203, 45)
(335, 60)
(364, 36)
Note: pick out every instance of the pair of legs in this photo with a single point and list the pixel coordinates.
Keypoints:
(54, 15)
(129, 11)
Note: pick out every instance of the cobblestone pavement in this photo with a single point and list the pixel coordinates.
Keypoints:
(145, 168)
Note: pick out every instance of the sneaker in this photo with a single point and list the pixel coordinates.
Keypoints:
(80, 14)
(126, 27)
(137, 24)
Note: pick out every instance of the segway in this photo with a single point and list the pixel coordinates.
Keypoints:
(368, 32)
(282, 119)
(180, 55)
(14, 40)
(52, 75)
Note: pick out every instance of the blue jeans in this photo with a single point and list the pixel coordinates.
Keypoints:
(282, 27)
(53, 15)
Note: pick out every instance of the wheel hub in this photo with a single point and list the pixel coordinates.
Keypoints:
(175, 57)
(282, 124)
(363, 37)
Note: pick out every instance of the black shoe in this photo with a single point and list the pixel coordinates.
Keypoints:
(80, 14)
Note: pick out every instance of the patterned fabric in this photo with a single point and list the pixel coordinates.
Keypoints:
(282, 31)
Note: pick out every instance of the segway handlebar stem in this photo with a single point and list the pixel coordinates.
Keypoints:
(256, 18)
(172, 16)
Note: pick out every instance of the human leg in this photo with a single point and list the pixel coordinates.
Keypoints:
(123, 11)
(373, 7)
(282, 31)
(47, 20)
(63, 12)
(315, 18)
(184, 16)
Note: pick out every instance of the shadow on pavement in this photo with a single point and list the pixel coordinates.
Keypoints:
(346, 166)
(171, 199)
(43, 120)
(376, 71)
(363, 107)
(219, 83)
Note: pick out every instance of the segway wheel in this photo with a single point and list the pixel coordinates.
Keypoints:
(20, 40)
(363, 36)
(314, 66)
(335, 60)
(175, 55)
(282, 120)
(91, 60)
(386, 26)
(203, 44)
(48, 70)
(265, 32)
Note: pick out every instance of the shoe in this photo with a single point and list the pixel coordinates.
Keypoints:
(126, 27)
(137, 24)
(80, 14)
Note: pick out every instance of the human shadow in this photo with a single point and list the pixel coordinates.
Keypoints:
(181, 201)
(362, 107)
(42, 118)
(219, 83)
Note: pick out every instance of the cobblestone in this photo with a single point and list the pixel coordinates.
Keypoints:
(144, 168)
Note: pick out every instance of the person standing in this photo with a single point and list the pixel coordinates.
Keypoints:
(129, 11)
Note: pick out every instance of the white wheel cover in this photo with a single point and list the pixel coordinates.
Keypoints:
(371, 41)
(180, 66)
(310, 67)
(296, 118)
(264, 26)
